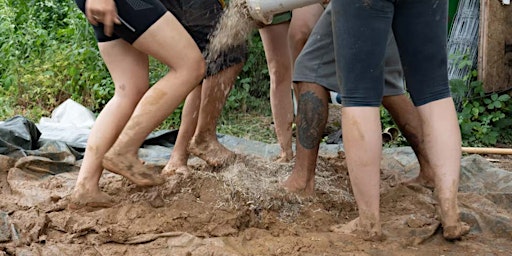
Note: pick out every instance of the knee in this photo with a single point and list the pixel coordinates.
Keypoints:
(280, 73)
(130, 91)
(196, 67)
(279, 79)
(191, 67)
(299, 35)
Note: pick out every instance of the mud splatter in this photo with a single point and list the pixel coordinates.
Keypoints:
(233, 29)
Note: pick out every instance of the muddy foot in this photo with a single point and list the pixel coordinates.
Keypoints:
(212, 152)
(172, 169)
(132, 169)
(299, 186)
(283, 159)
(421, 181)
(353, 228)
(454, 232)
(98, 199)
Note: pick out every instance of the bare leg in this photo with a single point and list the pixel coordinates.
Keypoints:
(363, 148)
(277, 53)
(301, 25)
(186, 71)
(311, 120)
(129, 70)
(406, 116)
(204, 143)
(179, 157)
(442, 136)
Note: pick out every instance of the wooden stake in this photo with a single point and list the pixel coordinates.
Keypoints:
(500, 151)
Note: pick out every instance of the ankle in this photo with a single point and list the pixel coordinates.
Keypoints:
(85, 188)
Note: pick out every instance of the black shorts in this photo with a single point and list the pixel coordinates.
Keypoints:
(200, 18)
(136, 17)
(361, 32)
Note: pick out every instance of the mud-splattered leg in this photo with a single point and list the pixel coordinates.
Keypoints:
(311, 120)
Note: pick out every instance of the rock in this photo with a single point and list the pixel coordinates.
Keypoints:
(6, 163)
(5, 231)
(334, 119)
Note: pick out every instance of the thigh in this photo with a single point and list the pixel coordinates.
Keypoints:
(275, 43)
(304, 19)
(361, 30)
(128, 68)
(198, 17)
(167, 41)
(301, 25)
(421, 33)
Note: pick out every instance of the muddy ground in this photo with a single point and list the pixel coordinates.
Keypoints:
(238, 210)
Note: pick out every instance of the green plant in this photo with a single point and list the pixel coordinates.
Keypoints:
(252, 88)
(387, 122)
(48, 54)
(483, 118)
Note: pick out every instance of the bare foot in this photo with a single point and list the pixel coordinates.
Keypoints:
(211, 151)
(355, 228)
(347, 228)
(283, 158)
(131, 168)
(454, 232)
(172, 169)
(299, 185)
(421, 180)
(448, 210)
(89, 199)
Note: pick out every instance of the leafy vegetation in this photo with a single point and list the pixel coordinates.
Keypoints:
(484, 118)
(48, 54)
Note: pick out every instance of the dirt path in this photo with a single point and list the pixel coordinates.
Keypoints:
(236, 211)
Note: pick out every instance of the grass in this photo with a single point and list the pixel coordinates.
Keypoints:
(253, 126)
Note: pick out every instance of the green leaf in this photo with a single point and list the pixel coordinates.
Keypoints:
(475, 111)
(504, 97)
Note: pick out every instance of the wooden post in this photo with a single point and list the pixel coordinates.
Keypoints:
(495, 46)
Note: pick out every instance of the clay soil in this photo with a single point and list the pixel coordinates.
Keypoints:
(238, 210)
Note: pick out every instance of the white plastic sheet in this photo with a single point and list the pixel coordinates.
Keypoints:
(70, 122)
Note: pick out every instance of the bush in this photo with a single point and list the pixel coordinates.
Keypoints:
(48, 54)
(484, 118)
(252, 88)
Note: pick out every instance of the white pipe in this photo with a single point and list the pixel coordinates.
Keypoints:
(264, 10)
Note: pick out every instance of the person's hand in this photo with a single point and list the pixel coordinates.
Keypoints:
(102, 11)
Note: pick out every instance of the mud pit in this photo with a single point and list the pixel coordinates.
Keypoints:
(241, 210)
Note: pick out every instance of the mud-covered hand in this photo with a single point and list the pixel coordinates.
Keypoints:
(102, 11)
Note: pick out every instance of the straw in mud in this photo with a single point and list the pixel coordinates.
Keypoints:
(233, 29)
